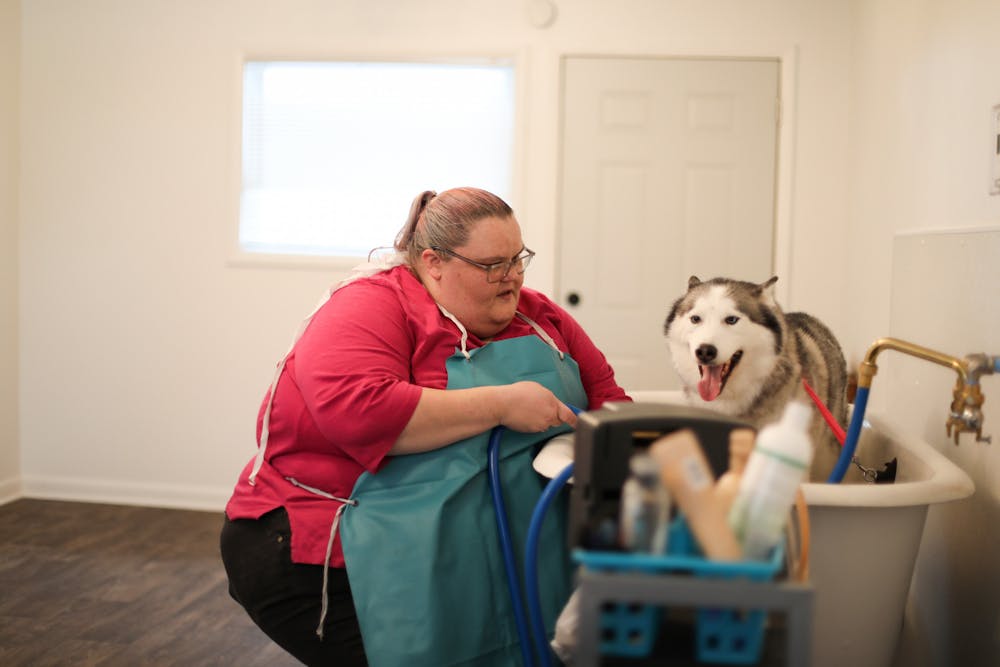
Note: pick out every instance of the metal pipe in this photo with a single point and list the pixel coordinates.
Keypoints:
(868, 368)
(967, 397)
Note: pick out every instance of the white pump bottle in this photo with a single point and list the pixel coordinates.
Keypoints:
(777, 465)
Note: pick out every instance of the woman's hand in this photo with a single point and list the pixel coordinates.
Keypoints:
(444, 416)
(529, 407)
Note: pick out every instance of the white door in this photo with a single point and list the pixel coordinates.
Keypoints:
(668, 171)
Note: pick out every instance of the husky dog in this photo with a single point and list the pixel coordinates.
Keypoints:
(737, 352)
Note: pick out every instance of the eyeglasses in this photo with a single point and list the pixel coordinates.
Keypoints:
(496, 271)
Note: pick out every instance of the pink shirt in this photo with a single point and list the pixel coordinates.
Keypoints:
(351, 384)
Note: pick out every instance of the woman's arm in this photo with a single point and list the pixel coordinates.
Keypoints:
(354, 367)
(446, 416)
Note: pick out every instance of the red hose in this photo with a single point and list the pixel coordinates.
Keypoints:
(838, 430)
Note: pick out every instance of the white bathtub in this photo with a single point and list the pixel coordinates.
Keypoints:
(864, 542)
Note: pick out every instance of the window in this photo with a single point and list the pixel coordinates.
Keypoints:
(334, 152)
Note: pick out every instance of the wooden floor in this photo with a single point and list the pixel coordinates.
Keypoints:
(86, 584)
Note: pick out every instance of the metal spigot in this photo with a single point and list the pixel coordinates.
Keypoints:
(966, 413)
(966, 406)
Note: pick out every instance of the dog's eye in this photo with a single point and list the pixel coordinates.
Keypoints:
(695, 319)
(732, 319)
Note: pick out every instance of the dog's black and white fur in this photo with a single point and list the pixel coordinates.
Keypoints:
(737, 352)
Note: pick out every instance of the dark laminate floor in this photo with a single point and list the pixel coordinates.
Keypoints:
(105, 585)
(87, 584)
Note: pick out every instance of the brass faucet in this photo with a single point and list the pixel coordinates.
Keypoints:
(967, 397)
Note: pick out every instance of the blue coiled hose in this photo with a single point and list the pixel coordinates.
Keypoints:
(550, 493)
(507, 546)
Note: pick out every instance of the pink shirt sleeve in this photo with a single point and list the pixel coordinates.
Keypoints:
(353, 368)
(595, 372)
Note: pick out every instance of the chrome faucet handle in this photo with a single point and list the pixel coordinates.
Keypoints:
(970, 420)
(966, 406)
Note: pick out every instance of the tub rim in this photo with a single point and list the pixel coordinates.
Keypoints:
(947, 481)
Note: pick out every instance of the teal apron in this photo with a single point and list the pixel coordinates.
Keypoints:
(421, 546)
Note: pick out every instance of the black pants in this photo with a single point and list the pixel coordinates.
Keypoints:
(284, 598)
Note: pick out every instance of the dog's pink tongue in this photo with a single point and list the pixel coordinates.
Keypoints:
(710, 384)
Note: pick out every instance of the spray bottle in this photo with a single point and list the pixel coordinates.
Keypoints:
(777, 465)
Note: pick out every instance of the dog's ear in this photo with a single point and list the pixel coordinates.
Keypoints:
(693, 282)
(767, 290)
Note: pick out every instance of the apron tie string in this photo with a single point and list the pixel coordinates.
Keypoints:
(344, 502)
(326, 568)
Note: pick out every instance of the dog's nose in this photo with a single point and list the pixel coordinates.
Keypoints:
(706, 353)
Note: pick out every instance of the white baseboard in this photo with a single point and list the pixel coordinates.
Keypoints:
(10, 490)
(115, 492)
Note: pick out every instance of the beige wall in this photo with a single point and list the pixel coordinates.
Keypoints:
(144, 352)
(923, 84)
(148, 351)
(10, 453)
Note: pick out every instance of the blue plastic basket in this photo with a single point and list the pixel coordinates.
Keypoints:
(722, 635)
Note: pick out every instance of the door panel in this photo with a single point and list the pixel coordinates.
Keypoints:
(668, 171)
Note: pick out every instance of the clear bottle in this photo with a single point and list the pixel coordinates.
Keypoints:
(776, 467)
(689, 480)
(645, 507)
(741, 442)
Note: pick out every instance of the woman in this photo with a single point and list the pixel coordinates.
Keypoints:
(371, 461)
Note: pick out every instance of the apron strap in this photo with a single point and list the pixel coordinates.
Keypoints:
(266, 420)
(461, 327)
(542, 333)
(265, 427)
(376, 264)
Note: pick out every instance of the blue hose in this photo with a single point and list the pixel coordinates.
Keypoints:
(507, 545)
(531, 563)
(853, 433)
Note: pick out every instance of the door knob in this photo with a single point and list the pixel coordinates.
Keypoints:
(572, 298)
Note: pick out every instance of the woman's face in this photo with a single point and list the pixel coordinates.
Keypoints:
(484, 308)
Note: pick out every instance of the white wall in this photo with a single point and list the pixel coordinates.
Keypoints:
(924, 80)
(144, 353)
(10, 453)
